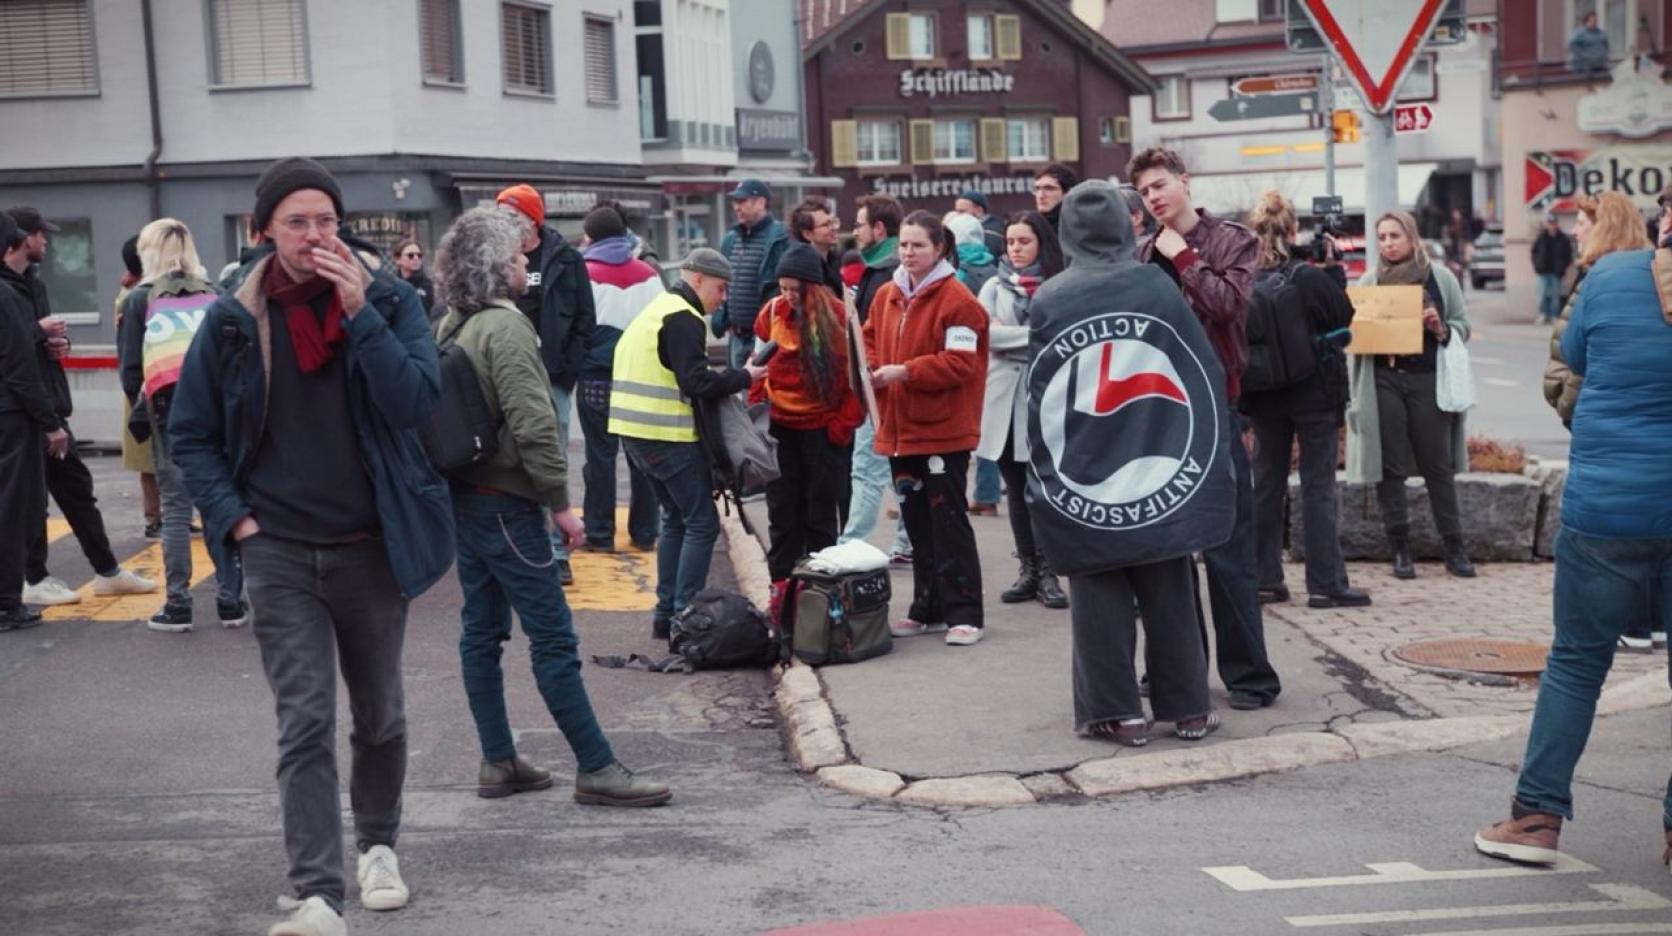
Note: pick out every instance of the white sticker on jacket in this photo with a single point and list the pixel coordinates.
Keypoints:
(962, 338)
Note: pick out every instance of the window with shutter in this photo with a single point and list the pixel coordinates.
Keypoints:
(844, 143)
(1065, 138)
(600, 62)
(922, 141)
(258, 44)
(441, 45)
(1029, 139)
(46, 48)
(877, 142)
(980, 35)
(994, 147)
(954, 141)
(525, 48)
(899, 35)
(1009, 31)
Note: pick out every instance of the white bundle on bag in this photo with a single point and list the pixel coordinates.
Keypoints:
(1454, 388)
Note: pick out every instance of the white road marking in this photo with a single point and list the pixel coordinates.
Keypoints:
(1579, 929)
(1621, 898)
(1500, 382)
(1244, 878)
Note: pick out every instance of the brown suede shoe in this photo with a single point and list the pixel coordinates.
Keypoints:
(502, 778)
(1529, 838)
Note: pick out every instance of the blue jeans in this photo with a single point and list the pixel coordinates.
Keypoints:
(684, 487)
(505, 563)
(988, 484)
(1599, 590)
(738, 348)
(564, 401)
(1549, 297)
(593, 407)
(871, 476)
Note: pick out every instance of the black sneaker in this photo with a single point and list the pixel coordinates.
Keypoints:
(172, 619)
(154, 530)
(19, 618)
(1277, 594)
(1248, 701)
(565, 575)
(234, 613)
(1346, 598)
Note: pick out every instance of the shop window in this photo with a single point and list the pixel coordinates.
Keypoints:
(878, 143)
(525, 45)
(980, 37)
(441, 42)
(68, 272)
(600, 62)
(954, 142)
(1172, 99)
(46, 49)
(258, 44)
(911, 35)
(1030, 139)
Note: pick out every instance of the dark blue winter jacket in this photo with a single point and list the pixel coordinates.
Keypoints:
(1620, 340)
(219, 412)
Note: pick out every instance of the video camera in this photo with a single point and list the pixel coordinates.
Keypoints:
(1331, 222)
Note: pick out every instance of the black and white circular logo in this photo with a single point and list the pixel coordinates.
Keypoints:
(761, 72)
(1126, 419)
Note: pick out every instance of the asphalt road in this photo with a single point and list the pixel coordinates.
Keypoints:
(1509, 353)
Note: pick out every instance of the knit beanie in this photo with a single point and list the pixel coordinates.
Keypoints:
(603, 223)
(802, 262)
(292, 175)
(130, 256)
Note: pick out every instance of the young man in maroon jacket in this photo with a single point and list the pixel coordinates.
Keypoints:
(1213, 261)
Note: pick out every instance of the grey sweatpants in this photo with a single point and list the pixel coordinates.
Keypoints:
(312, 605)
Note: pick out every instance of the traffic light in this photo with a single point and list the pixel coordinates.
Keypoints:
(1344, 126)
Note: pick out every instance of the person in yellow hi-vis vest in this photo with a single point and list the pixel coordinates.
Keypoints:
(661, 365)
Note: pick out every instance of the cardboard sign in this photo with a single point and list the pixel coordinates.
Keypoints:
(1386, 319)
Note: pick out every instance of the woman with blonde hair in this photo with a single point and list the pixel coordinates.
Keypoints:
(159, 317)
(1291, 390)
(1394, 419)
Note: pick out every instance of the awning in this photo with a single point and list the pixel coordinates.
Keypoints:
(703, 184)
(1231, 194)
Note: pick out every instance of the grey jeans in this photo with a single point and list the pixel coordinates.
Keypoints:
(313, 604)
(177, 534)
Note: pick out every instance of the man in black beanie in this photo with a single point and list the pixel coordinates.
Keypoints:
(295, 426)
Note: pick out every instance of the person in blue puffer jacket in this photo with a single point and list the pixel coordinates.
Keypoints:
(1616, 533)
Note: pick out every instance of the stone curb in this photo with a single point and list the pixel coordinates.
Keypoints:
(815, 736)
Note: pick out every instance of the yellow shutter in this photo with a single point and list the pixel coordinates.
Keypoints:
(1008, 36)
(1065, 139)
(995, 145)
(922, 141)
(1123, 129)
(844, 144)
(899, 36)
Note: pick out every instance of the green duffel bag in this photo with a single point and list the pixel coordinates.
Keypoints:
(838, 618)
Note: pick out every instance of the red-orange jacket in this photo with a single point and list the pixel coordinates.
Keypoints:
(941, 337)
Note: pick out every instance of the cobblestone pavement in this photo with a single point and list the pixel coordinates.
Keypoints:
(1509, 601)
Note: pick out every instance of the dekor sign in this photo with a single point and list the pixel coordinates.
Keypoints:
(1555, 179)
(934, 82)
(952, 186)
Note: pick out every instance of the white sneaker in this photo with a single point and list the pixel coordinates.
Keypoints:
(906, 627)
(381, 887)
(311, 917)
(1657, 639)
(50, 591)
(964, 636)
(1637, 644)
(123, 583)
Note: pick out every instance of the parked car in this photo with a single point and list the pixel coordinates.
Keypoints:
(1486, 260)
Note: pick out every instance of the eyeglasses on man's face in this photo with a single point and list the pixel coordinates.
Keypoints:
(300, 224)
(412, 255)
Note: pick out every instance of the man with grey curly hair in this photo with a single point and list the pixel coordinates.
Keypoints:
(505, 555)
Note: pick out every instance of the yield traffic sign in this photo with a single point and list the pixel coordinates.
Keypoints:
(1412, 118)
(1376, 40)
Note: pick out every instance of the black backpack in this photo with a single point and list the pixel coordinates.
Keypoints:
(1282, 346)
(459, 432)
(721, 629)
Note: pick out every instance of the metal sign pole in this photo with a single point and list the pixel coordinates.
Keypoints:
(1381, 171)
(1326, 105)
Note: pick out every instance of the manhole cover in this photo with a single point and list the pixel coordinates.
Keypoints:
(1476, 655)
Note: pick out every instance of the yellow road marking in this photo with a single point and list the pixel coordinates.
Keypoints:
(624, 580)
(56, 528)
(122, 608)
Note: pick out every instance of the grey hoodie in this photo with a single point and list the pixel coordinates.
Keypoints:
(1130, 441)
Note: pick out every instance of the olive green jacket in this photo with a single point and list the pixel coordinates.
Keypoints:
(505, 352)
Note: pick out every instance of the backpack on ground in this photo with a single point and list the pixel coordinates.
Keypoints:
(459, 432)
(1282, 347)
(841, 618)
(720, 630)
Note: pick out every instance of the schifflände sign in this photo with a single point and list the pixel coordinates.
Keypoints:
(938, 82)
(1556, 178)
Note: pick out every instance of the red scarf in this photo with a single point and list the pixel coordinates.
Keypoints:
(314, 341)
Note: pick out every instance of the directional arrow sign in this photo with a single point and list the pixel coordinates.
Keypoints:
(1275, 84)
(1264, 105)
(1376, 40)
(1412, 118)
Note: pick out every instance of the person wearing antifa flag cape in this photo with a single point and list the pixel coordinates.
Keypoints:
(1130, 449)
